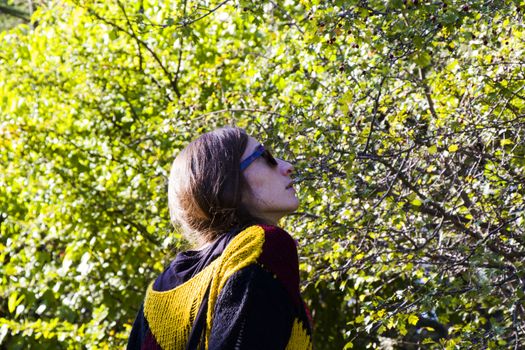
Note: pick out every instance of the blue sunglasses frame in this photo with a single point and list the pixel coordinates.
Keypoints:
(259, 152)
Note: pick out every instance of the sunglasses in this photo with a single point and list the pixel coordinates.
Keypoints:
(259, 152)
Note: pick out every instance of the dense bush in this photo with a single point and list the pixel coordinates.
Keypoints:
(405, 121)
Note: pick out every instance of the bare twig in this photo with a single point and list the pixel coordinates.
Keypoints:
(145, 45)
(11, 11)
(374, 115)
(185, 22)
(288, 16)
(428, 95)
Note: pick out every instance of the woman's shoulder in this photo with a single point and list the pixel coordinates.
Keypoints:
(274, 249)
(277, 240)
(272, 236)
(267, 241)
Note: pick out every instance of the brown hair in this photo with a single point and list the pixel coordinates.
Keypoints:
(206, 184)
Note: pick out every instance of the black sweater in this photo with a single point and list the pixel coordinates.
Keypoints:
(242, 292)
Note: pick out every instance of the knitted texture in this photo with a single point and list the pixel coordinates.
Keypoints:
(171, 313)
(242, 251)
(299, 339)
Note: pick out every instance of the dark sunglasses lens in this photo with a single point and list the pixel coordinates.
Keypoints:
(269, 158)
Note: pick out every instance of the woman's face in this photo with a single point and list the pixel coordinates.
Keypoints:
(270, 195)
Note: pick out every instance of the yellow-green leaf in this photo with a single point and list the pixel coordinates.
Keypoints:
(412, 319)
(453, 148)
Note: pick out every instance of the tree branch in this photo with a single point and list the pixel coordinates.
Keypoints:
(428, 95)
(188, 22)
(374, 115)
(134, 36)
(11, 11)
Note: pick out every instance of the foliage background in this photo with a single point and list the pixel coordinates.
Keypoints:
(404, 119)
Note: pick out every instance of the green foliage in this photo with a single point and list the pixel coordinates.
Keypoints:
(404, 119)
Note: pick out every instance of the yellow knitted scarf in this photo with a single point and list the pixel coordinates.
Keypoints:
(171, 313)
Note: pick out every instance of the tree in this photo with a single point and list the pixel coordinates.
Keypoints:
(404, 119)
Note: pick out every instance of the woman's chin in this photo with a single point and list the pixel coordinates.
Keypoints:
(294, 206)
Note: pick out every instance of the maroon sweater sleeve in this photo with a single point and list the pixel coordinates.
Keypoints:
(279, 256)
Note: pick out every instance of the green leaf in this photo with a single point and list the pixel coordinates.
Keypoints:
(453, 148)
(13, 301)
(422, 59)
(412, 319)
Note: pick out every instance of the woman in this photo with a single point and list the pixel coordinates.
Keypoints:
(240, 289)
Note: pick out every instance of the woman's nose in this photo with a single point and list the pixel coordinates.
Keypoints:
(286, 168)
